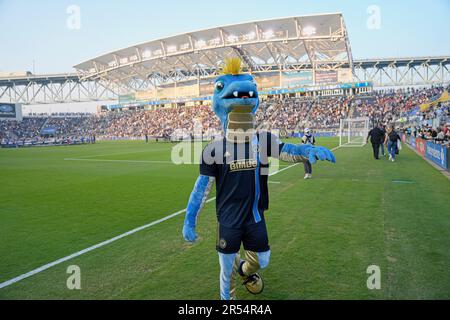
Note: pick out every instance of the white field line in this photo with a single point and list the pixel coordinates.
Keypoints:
(104, 243)
(118, 154)
(335, 148)
(353, 145)
(281, 170)
(294, 165)
(141, 161)
(119, 161)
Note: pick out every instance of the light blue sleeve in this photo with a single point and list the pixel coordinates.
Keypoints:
(294, 153)
(198, 199)
(300, 153)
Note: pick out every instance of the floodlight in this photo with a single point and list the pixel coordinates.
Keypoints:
(309, 31)
(185, 46)
(146, 54)
(250, 36)
(268, 34)
(200, 43)
(171, 49)
(232, 38)
(215, 41)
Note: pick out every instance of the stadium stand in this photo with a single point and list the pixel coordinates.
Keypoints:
(277, 112)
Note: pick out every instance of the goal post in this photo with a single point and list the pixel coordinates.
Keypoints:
(353, 132)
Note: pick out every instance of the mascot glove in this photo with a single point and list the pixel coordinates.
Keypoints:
(317, 153)
(189, 233)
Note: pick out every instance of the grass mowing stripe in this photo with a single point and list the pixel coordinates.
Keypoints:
(119, 161)
(99, 245)
(104, 243)
(121, 153)
(294, 165)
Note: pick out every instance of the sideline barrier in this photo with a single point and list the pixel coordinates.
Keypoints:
(318, 134)
(412, 142)
(448, 159)
(436, 153)
(41, 144)
(404, 138)
(421, 146)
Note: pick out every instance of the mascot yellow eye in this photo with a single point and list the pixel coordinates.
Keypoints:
(219, 86)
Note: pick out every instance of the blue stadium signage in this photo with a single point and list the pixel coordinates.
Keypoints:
(437, 153)
(7, 110)
(270, 92)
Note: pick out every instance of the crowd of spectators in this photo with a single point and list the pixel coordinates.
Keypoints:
(75, 126)
(45, 130)
(440, 135)
(389, 105)
(157, 123)
(59, 114)
(28, 128)
(289, 113)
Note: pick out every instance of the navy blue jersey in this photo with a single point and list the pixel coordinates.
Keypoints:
(309, 140)
(241, 177)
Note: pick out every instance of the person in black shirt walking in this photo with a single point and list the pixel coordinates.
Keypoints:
(376, 136)
(383, 128)
(391, 141)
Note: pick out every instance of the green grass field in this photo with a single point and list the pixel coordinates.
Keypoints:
(324, 233)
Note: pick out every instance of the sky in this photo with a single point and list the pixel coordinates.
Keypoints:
(42, 36)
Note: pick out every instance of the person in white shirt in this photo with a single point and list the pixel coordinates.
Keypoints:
(308, 138)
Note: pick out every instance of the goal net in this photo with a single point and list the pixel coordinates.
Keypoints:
(353, 132)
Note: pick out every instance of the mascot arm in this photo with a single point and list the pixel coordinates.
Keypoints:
(299, 153)
(197, 200)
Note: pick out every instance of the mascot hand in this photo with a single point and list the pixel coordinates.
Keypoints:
(189, 233)
(319, 153)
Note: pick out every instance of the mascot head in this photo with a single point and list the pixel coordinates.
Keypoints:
(308, 132)
(236, 101)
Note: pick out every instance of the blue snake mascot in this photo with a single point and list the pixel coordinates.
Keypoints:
(238, 166)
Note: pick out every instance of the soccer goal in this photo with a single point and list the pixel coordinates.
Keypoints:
(353, 132)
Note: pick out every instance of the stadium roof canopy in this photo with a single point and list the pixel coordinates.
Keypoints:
(295, 43)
